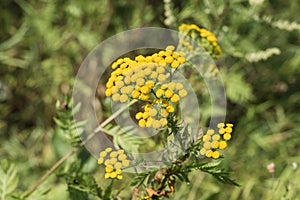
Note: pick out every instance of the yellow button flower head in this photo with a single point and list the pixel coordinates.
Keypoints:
(139, 115)
(182, 93)
(153, 112)
(215, 154)
(227, 136)
(169, 93)
(100, 161)
(222, 145)
(172, 85)
(159, 93)
(175, 98)
(206, 138)
(170, 109)
(114, 162)
(142, 123)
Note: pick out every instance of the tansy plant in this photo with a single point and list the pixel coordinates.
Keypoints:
(148, 80)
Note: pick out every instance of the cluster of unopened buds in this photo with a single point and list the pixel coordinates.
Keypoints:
(212, 141)
(204, 38)
(114, 161)
(148, 79)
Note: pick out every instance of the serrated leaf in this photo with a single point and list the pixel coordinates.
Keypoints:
(64, 121)
(125, 137)
(82, 185)
(139, 179)
(210, 165)
(76, 108)
(9, 179)
(237, 89)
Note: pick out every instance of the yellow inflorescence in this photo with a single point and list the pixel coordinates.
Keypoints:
(203, 35)
(113, 161)
(146, 79)
(216, 141)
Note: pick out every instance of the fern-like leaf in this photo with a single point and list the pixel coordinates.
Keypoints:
(9, 179)
(237, 90)
(125, 137)
(72, 131)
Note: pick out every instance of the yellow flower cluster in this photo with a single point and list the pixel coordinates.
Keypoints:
(113, 161)
(136, 78)
(214, 141)
(146, 79)
(203, 36)
(155, 114)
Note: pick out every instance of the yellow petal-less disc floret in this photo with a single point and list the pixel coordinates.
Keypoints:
(207, 145)
(169, 93)
(172, 85)
(103, 154)
(159, 93)
(118, 165)
(215, 154)
(152, 112)
(123, 98)
(227, 136)
(125, 163)
(100, 161)
(116, 97)
(220, 125)
(109, 169)
(142, 123)
(206, 138)
(107, 175)
(182, 93)
(122, 157)
(113, 154)
(216, 137)
(170, 48)
(179, 86)
(222, 145)
(170, 109)
(175, 98)
(215, 144)
(139, 115)
(210, 132)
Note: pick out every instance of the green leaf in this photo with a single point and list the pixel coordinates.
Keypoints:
(16, 38)
(108, 192)
(210, 165)
(213, 169)
(9, 179)
(64, 120)
(125, 137)
(81, 185)
(139, 179)
(237, 89)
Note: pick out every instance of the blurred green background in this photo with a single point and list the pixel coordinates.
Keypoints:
(42, 44)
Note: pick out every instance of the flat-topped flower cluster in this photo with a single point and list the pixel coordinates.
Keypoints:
(148, 79)
(216, 141)
(114, 161)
